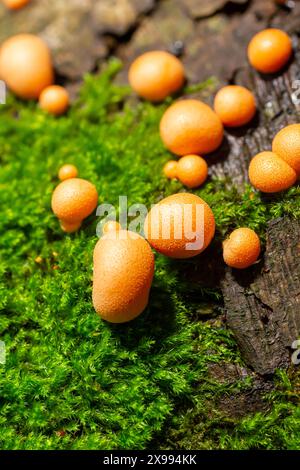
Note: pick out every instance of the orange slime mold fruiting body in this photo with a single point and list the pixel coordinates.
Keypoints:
(180, 226)
(25, 65)
(155, 75)
(72, 201)
(191, 127)
(269, 50)
(235, 105)
(123, 273)
(270, 174)
(192, 171)
(55, 100)
(242, 248)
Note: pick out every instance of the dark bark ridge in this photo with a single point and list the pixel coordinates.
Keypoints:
(263, 303)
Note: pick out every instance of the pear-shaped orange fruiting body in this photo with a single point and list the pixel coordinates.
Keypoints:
(67, 171)
(286, 144)
(180, 226)
(192, 171)
(25, 65)
(170, 169)
(270, 174)
(242, 248)
(191, 127)
(15, 4)
(123, 273)
(72, 201)
(111, 226)
(156, 74)
(55, 100)
(235, 105)
(269, 50)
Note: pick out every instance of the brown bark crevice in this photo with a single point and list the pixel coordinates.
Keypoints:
(263, 302)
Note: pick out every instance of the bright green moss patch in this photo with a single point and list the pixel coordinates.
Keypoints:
(70, 380)
(204, 426)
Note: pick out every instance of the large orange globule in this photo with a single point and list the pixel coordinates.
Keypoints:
(270, 174)
(156, 74)
(123, 273)
(180, 226)
(25, 65)
(235, 105)
(73, 200)
(192, 170)
(191, 127)
(270, 50)
(242, 248)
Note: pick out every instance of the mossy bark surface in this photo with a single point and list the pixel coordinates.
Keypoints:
(263, 303)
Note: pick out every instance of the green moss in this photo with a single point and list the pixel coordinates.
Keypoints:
(208, 424)
(70, 380)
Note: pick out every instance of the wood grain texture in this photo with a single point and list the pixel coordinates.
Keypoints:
(263, 303)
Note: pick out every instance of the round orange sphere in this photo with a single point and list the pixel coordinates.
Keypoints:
(269, 50)
(170, 169)
(15, 4)
(286, 144)
(67, 171)
(191, 127)
(156, 75)
(242, 248)
(270, 174)
(25, 65)
(235, 105)
(55, 100)
(180, 226)
(111, 226)
(73, 200)
(192, 171)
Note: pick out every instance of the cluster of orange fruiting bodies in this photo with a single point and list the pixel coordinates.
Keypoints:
(275, 171)
(123, 260)
(189, 129)
(26, 67)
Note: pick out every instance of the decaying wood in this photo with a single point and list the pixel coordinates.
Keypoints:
(263, 303)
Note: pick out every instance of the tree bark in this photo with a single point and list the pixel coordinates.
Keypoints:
(263, 302)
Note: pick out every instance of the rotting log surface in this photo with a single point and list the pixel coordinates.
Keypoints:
(263, 303)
